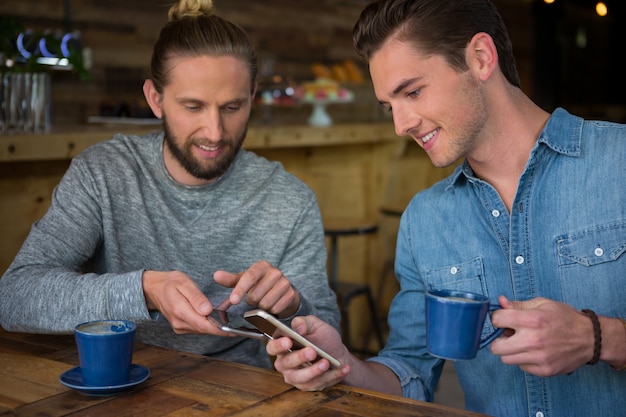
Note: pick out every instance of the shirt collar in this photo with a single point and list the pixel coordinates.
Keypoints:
(562, 133)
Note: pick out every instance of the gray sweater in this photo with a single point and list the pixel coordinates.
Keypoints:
(117, 212)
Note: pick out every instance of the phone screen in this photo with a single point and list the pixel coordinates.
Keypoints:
(234, 323)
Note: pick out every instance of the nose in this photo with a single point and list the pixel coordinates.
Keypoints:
(212, 124)
(404, 120)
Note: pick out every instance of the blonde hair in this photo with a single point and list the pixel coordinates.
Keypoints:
(190, 8)
(194, 30)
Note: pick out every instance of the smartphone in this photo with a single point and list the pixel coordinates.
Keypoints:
(235, 324)
(273, 328)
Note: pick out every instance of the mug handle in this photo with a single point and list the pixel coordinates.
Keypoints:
(484, 342)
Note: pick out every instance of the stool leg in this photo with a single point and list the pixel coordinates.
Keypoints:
(334, 264)
(387, 268)
(345, 322)
(377, 330)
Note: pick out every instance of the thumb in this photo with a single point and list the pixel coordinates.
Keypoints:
(305, 325)
(301, 325)
(198, 301)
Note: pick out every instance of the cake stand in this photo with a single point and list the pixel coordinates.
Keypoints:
(319, 116)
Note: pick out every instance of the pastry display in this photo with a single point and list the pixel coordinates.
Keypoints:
(323, 89)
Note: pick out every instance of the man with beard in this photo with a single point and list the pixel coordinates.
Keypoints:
(160, 229)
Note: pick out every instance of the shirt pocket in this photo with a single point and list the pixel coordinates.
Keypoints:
(464, 276)
(592, 264)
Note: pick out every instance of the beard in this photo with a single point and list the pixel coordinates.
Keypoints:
(469, 125)
(212, 170)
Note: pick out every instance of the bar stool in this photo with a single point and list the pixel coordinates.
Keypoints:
(393, 211)
(346, 291)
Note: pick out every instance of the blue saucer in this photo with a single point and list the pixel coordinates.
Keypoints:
(74, 379)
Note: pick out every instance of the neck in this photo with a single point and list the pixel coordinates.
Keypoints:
(503, 154)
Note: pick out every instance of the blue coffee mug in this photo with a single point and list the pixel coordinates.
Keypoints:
(454, 323)
(105, 351)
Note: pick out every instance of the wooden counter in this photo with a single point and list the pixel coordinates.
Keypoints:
(68, 143)
(354, 169)
(180, 384)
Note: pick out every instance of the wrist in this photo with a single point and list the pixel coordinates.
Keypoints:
(597, 336)
(145, 284)
(614, 351)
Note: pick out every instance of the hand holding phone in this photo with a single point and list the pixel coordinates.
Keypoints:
(235, 324)
(274, 328)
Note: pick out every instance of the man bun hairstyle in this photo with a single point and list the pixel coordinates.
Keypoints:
(194, 30)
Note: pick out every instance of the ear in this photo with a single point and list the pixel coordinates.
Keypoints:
(153, 98)
(482, 56)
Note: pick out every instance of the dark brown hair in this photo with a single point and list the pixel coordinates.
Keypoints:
(436, 27)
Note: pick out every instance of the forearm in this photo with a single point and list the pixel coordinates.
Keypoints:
(613, 342)
(52, 300)
(373, 376)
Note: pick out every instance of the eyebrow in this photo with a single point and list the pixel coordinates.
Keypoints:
(238, 100)
(404, 84)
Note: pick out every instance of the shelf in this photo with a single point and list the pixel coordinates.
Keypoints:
(67, 144)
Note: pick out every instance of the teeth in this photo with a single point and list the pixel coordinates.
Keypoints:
(429, 136)
(208, 148)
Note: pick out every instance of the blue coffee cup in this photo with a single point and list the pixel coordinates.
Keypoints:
(105, 351)
(454, 323)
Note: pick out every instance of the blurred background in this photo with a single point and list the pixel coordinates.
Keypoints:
(569, 53)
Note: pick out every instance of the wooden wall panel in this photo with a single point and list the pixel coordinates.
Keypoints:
(25, 193)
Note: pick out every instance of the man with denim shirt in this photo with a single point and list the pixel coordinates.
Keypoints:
(534, 218)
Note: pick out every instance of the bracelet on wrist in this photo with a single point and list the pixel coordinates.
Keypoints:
(597, 336)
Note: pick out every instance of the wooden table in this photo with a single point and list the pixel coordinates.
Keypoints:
(180, 384)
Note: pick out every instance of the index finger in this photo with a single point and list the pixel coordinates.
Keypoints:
(224, 305)
(246, 281)
(229, 280)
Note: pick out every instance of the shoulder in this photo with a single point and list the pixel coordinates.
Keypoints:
(573, 135)
(442, 189)
(435, 202)
(121, 152)
(262, 173)
(604, 131)
(122, 148)
(115, 161)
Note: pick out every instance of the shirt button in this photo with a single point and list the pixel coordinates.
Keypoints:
(599, 251)
(519, 260)
(495, 213)
(539, 414)
(454, 270)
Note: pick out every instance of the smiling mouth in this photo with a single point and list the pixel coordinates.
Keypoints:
(429, 136)
(208, 148)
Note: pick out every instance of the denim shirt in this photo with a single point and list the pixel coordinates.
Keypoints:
(564, 240)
